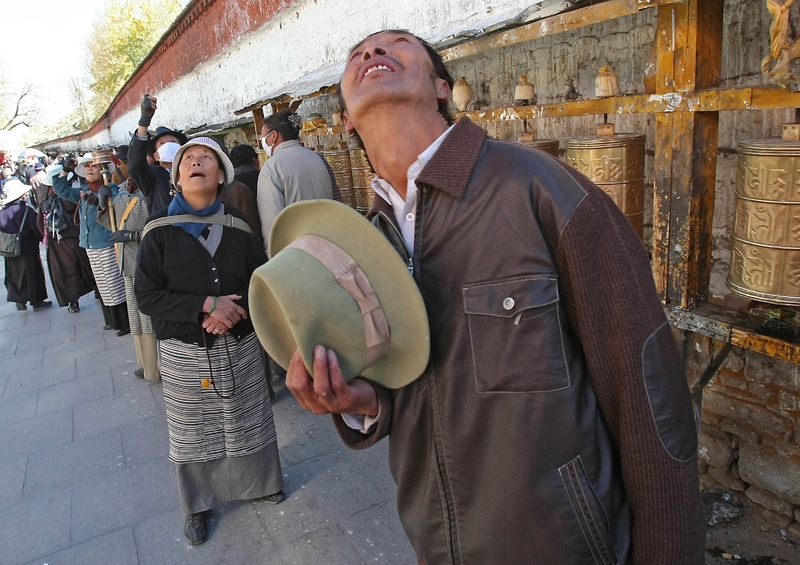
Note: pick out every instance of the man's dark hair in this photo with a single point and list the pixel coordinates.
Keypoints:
(438, 68)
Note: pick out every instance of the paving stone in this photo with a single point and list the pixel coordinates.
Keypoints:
(13, 474)
(34, 326)
(35, 527)
(77, 462)
(72, 349)
(109, 359)
(112, 412)
(124, 379)
(39, 377)
(377, 535)
(117, 547)
(327, 545)
(234, 521)
(18, 409)
(91, 327)
(41, 432)
(157, 390)
(22, 360)
(122, 499)
(8, 344)
(75, 392)
(145, 440)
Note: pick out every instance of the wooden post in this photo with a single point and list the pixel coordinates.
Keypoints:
(689, 46)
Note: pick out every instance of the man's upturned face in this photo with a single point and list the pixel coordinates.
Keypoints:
(390, 67)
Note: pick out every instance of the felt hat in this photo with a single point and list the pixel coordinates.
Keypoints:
(227, 167)
(14, 190)
(160, 132)
(334, 280)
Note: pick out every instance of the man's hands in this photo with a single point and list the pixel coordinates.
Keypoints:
(147, 110)
(328, 392)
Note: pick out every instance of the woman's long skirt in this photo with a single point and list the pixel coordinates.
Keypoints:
(144, 339)
(110, 285)
(69, 269)
(25, 279)
(221, 431)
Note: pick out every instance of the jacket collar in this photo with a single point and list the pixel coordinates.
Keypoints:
(451, 166)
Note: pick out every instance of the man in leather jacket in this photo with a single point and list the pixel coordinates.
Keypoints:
(553, 423)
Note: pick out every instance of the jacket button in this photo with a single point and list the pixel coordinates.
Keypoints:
(508, 303)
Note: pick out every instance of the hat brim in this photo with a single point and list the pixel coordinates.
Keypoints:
(409, 345)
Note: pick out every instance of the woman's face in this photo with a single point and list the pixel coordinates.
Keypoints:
(199, 171)
(93, 172)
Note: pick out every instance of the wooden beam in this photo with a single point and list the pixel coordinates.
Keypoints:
(258, 120)
(689, 37)
(604, 11)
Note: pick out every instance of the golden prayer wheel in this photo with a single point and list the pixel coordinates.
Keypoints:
(546, 145)
(615, 163)
(339, 160)
(765, 255)
(362, 179)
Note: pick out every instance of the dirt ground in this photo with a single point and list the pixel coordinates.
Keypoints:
(747, 539)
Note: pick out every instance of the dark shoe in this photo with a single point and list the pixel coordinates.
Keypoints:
(108, 327)
(21, 306)
(276, 498)
(123, 331)
(139, 373)
(42, 305)
(96, 295)
(196, 527)
(74, 307)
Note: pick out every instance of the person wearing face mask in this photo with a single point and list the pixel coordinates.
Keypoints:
(292, 173)
(153, 180)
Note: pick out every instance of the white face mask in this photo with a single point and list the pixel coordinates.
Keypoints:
(166, 152)
(267, 148)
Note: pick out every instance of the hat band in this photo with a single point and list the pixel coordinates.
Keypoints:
(353, 280)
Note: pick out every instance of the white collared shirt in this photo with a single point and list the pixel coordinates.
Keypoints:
(405, 211)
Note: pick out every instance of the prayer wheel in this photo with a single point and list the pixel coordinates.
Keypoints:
(362, 179)
(546, 145)
(765, 255)
(615, 162)
(339, 160)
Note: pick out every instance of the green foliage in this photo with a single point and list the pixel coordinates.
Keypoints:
(122, 37)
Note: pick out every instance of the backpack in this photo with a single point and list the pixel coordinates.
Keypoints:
(55, 218)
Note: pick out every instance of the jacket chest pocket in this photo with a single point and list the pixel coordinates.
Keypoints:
(515, 335)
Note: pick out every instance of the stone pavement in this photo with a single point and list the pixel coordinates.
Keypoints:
(86, 478)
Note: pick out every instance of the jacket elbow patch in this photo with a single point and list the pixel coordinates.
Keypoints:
(668, 395)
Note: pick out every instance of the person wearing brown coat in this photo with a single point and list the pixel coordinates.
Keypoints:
(553, 423)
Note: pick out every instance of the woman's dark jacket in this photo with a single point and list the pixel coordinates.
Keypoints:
(11, 220)
(176, 274)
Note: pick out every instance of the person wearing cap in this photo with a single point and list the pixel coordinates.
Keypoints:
(292, 173)
(153, 180)
(67, 262)
(24, 274)
(120, 173)
(94, 237)
(553, 423)
(192, 280)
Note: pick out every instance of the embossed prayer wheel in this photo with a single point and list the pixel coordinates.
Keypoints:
(339, 160)
(362, 179)
(615, 163)
(765, 255)
(546, 145)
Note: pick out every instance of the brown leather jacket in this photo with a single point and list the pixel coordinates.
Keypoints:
(553, 423)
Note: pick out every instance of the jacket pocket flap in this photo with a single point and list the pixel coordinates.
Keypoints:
(507, 298)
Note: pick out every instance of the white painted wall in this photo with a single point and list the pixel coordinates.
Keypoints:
(310, 40)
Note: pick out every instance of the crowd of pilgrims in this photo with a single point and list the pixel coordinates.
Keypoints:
(181, 292)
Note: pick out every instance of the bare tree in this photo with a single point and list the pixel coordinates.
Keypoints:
(22, 112)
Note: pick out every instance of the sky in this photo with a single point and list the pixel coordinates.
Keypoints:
(44, 43)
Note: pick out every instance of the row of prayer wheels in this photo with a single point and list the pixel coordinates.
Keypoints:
(353, 174)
